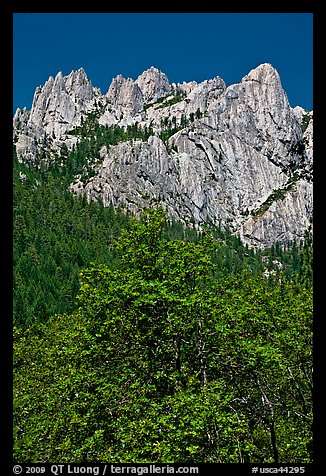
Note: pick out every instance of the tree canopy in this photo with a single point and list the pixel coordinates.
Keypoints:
(168, 358)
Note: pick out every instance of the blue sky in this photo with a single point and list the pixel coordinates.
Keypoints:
(186, 46)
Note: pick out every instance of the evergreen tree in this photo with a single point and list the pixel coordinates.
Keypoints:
(161, 362)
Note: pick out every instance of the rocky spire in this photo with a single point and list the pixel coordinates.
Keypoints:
(125, 93)
(153, 84)
(60, 103)
(239, 156)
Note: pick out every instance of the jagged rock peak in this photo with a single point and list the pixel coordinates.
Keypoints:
(154, 84)
(115, 86)
(186, 87)
(126, 93)
(300, 113)
(59, 76)
(151, 85)
(264, 73)
(58, 105)
(20, 113)
(239, 156)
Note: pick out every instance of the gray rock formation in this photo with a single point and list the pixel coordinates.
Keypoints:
(57, 107)
(239, 157)
(125, 93)
(153, 84)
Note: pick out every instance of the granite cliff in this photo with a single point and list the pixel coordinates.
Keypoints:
(237, 156)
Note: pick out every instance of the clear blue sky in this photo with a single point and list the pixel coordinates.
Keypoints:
(186, 46)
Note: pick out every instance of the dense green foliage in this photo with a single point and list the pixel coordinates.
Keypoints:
(92, 136)
(101, 135)
(145, 341)
(169, 127)
(174, 355)
(57, 234)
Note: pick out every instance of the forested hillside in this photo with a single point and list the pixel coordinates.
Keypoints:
(56, 234)
(140, 340)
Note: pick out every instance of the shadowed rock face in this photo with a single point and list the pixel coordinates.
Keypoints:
(238, 157)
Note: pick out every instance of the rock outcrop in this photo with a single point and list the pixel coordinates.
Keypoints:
(125, 93)
(236, 156)
(57, 107)
(153, 84)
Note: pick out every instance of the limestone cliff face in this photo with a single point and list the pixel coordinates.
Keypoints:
(238, 156)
